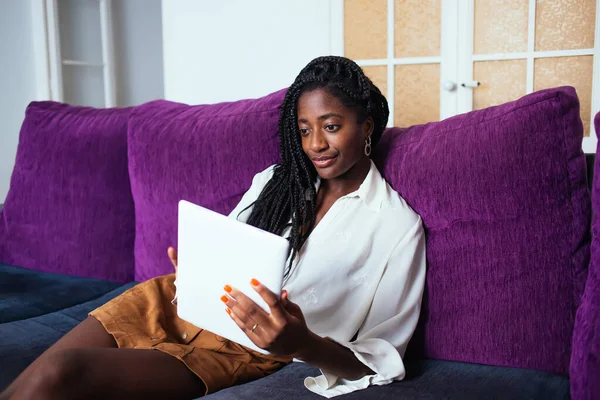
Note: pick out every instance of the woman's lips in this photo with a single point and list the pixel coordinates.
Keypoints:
(324, 162)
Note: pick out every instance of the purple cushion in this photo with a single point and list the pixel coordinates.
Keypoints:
(585, 360)
(205, 154)
(503, 196)
(69, 207)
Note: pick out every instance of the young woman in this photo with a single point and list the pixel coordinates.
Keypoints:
(352, 288)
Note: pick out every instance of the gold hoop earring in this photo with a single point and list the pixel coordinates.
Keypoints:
(368, 146)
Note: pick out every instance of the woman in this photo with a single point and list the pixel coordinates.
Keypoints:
(352, 288)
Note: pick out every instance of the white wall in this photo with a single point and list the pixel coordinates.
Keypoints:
(138, 51)
(213, 51)
(138, 57)
(17, 80)
(232, 49)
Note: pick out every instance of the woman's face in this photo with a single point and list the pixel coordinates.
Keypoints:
(331, 135)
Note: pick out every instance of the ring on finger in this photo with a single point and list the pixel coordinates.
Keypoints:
(254, 327)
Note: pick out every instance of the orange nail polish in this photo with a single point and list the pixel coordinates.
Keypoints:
(254, 282)
(228, 311)
(227, 288)
(224, 299)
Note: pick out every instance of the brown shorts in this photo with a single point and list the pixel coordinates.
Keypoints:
(144, 318)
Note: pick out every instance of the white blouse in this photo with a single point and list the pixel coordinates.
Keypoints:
(361, 270)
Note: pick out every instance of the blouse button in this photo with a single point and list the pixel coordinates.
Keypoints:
(184, 335)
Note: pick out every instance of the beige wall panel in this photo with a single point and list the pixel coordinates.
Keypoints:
(564, 24)
(571, 71)
(365, 29)
(417, 28)
(500, 26)
(378, 75)
(501, 81)
(417, 94)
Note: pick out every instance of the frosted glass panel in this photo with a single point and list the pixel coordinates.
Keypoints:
(379, 77)
(571, 71)
(500, 26)
(365, 29)
(417, 94)
(83, 86)
(501, 81)
(417, 28)
(564, 24)
(79, 22)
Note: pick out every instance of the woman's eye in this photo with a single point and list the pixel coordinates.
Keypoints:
(331, 128)
(303, 131)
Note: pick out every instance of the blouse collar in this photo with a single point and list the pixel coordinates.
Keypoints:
(371, 191)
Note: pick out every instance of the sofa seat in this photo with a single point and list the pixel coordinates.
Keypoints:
(38, 308)
(26, 293)
(426, 379)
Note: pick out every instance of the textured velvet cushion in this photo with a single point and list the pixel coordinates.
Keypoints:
(205, 154)
(425, 380)
(69, 207)
(505, 204)
(585, 360)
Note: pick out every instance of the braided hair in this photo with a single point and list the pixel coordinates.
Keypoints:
(290, 193)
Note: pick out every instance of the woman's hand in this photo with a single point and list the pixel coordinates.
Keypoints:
(282, 332)
(172, 253)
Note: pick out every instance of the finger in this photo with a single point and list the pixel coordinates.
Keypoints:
(239, 311)
(172, 253)
(285, 298)
(292, 308)
(275, 305)
(246, 309)
(252, 335)
(246, 324)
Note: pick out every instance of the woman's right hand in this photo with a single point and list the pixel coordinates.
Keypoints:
(172, 253)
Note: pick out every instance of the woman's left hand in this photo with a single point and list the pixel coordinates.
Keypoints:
(282, 332)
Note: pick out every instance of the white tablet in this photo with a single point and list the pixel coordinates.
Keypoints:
(214, 251)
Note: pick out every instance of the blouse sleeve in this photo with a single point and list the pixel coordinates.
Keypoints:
(390, 322)
(258, 183)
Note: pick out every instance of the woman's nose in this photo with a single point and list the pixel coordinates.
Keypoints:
(318, 142)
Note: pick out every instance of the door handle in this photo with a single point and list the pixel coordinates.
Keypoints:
(471, 84)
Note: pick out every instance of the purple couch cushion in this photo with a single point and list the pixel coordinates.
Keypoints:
(504, 201)
(585, 360)
(69, 207)
(205, 154)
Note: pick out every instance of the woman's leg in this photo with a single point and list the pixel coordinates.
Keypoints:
(87, 359)
(101, 373)
(89, 333)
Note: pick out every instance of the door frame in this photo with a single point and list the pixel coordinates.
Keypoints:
(47, 54)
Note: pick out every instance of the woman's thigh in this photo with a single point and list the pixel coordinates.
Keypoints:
(89, 333)
(111, 373)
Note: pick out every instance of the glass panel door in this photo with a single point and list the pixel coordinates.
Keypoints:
(397, 43)
(520, 46)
